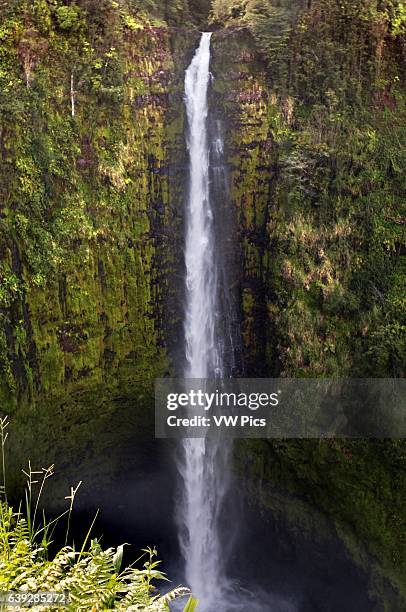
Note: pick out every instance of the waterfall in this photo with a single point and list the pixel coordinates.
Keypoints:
(204, 476)
(201, 278)
(210, 346)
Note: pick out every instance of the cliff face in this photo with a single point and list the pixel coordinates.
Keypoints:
(91, 188)
(92, 182)
(314, 159)
(315, 127)
(241, 93)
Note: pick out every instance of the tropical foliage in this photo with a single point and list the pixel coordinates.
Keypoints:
(92, 578)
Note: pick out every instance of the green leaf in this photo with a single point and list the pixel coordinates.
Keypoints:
(118, 557)
(191, 605)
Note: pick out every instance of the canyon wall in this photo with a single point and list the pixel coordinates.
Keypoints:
(92, 183)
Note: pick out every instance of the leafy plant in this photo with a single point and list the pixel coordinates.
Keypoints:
(92, 576)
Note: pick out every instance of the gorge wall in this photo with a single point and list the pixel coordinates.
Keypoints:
(92, 182)
(312, 158)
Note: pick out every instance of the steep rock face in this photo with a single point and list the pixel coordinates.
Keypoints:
(92, 180)
(316, 225)
(320, 207)
(241, 94)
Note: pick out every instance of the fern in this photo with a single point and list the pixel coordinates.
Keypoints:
(92, 577)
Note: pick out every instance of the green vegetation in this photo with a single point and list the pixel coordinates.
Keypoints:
(316, 144)
(358, 488)
(330, 111)
(84, 143)
(92, 577)
(92, 147)
(87, 134)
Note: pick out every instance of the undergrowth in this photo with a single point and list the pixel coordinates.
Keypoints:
(92, 577)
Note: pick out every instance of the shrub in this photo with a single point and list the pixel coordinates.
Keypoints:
(91, 576)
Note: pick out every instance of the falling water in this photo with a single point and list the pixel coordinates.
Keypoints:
(204, 481)
(201, 279)
(209, 351)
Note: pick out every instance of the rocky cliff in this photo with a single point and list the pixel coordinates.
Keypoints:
(92, 179)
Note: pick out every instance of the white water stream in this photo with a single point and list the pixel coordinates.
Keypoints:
(204, 464)
(203, 479)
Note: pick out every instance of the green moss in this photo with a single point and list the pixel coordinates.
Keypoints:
(81, 308)
(318, 202)
(90, 230)
(350, 483)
